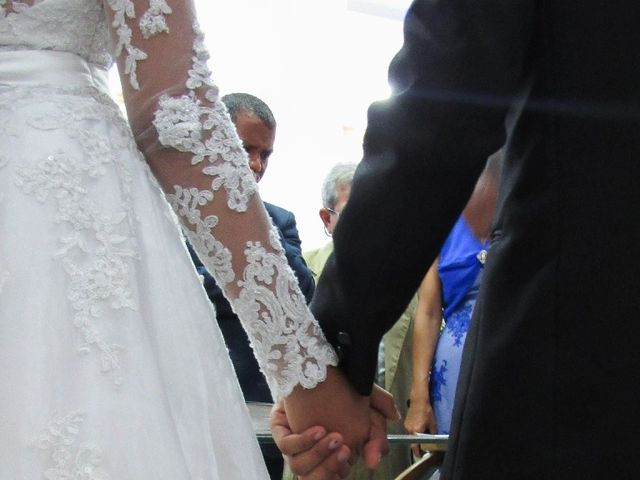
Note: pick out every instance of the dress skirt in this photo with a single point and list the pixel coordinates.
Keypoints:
(111, 362)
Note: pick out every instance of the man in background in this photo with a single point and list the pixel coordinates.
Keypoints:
(256, 127)
(394, 355)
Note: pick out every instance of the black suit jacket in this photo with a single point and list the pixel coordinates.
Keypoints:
(252, 381)
(552, 361)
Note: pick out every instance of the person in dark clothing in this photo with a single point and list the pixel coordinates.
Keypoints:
(547, 386)
(256, 128)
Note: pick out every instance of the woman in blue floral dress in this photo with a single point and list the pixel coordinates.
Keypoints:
(448, 292)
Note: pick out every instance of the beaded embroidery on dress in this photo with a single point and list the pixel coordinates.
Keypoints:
(114, 363)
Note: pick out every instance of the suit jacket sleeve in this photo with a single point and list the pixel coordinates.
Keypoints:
(462, 65)
(285, 222)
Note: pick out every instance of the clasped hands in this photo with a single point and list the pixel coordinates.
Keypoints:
(322, 431)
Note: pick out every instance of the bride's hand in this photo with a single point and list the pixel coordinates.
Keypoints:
(312, 454)
(335, 405)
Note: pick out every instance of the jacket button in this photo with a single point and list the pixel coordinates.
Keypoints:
(344, 342)
(344, 339)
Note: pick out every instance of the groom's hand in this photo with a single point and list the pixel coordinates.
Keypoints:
(382, 408)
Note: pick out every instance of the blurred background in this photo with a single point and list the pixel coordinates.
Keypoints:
(318, 65)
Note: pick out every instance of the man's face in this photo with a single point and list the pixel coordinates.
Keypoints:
(257, 140)
(330, 217)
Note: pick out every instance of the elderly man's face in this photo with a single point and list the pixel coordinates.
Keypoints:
(330, 217)
(257, 139)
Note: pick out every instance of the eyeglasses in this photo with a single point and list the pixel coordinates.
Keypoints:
(330, 210)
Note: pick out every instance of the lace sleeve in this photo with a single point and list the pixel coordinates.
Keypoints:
(188, 139)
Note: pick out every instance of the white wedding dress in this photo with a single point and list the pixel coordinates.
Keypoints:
(111, 363)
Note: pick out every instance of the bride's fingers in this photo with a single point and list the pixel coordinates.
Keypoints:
(312, 454)
(288, 442)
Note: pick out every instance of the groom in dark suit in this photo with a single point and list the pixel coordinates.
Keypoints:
(551, 367)
(256, 128)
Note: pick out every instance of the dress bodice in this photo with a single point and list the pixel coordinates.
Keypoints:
(461, 261)
(75, 26)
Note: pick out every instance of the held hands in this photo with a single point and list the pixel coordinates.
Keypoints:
(334, 404)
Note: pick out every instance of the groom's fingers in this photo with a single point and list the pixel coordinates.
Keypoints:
(296, 443)
(334, 467)
(325, 459)
(377, 445)
(382, 401)
(312, 454)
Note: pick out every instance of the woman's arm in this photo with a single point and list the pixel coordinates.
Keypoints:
(426, 332)
(192, 148)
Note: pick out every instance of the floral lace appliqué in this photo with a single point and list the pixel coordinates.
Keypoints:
(186, 203)
(458, 323)
(96, 243)
(153, 21)
(438, 380)
(284, 334)
(199, 74)
(287, 341)
(180, 125)
(69, 459)
(184, 122)
(93, 252)
(122, 10)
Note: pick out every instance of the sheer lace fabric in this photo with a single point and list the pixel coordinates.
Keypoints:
(212, 189)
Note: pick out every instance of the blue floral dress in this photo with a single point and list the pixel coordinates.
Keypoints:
(460, 271)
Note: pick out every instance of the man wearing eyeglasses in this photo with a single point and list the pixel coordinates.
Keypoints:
(394, 355)
(336, 188)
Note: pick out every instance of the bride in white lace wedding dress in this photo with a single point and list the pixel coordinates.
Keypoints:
(111, 365)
